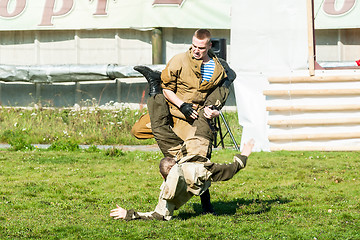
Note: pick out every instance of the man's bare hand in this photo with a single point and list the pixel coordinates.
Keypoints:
(210, 113)
(247, 149)
(118, 213)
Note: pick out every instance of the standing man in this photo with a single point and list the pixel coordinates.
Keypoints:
(189, 82)
(190, 76)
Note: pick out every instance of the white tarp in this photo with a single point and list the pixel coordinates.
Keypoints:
(273, 43)
(264, 41)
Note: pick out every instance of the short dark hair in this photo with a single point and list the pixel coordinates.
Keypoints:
(165, 165)
(203, 34)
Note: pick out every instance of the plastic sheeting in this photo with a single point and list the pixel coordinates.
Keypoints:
(67, 73)
(264, 40)
(322, 113)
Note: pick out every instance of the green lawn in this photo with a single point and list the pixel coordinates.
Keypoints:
(280, 195)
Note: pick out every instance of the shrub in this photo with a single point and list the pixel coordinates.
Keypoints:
(92, 148)
(114, 152)
(17, 139)
(64, 145)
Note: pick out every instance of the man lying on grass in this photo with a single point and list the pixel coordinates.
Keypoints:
(192, 175)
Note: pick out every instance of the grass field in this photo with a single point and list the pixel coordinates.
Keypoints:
(280, 195)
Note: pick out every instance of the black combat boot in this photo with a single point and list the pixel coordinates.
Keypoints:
(206, 204)
(153, 78)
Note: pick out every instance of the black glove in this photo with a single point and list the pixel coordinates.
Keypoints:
(186, 109)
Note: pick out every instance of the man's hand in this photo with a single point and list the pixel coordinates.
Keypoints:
(247, 149)
(188, 111)
(185, 108)
(211, 113)
(118, 213)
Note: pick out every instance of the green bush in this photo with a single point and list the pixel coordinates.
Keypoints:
(114, 152)
(64, 145)
(17, 139)
(90, 126)
(92, 148)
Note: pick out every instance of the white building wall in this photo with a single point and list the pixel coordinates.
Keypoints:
(131, 47)
(115, 46)
(337, 45)
(120, 46)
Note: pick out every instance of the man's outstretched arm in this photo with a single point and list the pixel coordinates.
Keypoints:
(121, 213)
(163, 211)
(224, 172)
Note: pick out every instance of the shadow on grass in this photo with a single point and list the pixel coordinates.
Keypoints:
(239, 206)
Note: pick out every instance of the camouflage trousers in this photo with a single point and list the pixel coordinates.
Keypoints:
(196, 136)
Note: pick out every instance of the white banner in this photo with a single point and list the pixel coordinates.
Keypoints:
(105, 14)
(337, 14)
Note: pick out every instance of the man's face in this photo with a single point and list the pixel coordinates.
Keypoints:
(200, 48)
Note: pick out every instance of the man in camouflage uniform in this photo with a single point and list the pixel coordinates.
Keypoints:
(191, 175)
(193, 102)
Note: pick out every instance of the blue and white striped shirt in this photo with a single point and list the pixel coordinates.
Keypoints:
(207, 70)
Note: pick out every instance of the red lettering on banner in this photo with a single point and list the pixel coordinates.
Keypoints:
(49, 11)
(101, 7)
(329, 7)
(178, 2)
(19, 8)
